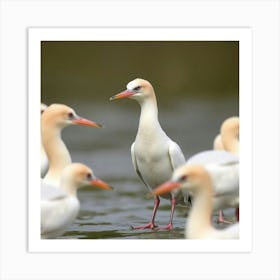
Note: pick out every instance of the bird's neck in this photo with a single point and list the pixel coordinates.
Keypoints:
(231, 143)
(148, 122)
(56, 151)
(68, 186)
(199, 220)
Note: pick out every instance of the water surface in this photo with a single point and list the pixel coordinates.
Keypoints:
(192, 123)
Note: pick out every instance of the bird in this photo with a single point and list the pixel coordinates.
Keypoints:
(60, 206)
(202, 184)
(44, 158)
(223, 168)
(154, 155)
(228, 140)
(53, 120)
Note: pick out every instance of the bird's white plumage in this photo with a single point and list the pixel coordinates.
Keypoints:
(131, 85)
(44, 162)
(223, 168)
(60, 206)
(134, 162)
(58, 215)
(156, 162)
(210, 157)
(198, 180)
(55, 225)
(58, 211)
(49, 192)
(154, 154)
(176, 155)
(231, 232)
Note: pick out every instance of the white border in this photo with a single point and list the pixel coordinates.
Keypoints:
(243, 35)
(262, 16)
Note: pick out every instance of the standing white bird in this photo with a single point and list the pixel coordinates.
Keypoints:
(154, 155)
(44, 158)
(60, 206)
(53, 120)
(202, 183)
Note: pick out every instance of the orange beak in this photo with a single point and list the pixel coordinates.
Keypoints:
(123, 94)
(82, 121)
(166, 187)
(101, 184)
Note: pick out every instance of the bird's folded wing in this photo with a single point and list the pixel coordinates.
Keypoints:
(134, 161)
(176, 155)
(49, 192)
(217, 157)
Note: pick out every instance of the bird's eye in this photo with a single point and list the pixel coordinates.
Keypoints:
(183, 178)
(137, 88)
(70, 115)
(89, 176)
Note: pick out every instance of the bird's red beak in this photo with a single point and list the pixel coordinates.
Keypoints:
(166, 187)
(101, 184)
(123, 94)
(82, 121)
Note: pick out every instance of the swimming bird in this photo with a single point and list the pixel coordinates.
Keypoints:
(203, 184)
(44, 158)
(154, 155)
(53, 120)
(60, 206)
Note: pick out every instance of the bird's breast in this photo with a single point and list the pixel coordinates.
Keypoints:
(153, 164)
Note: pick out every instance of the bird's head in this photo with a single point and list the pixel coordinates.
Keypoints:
(78, 175)
(137, 89)
(61, 116)
(188, 177)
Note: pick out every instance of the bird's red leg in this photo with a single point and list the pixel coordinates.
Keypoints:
(151, 224)
(221, 218)
(169, 226)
